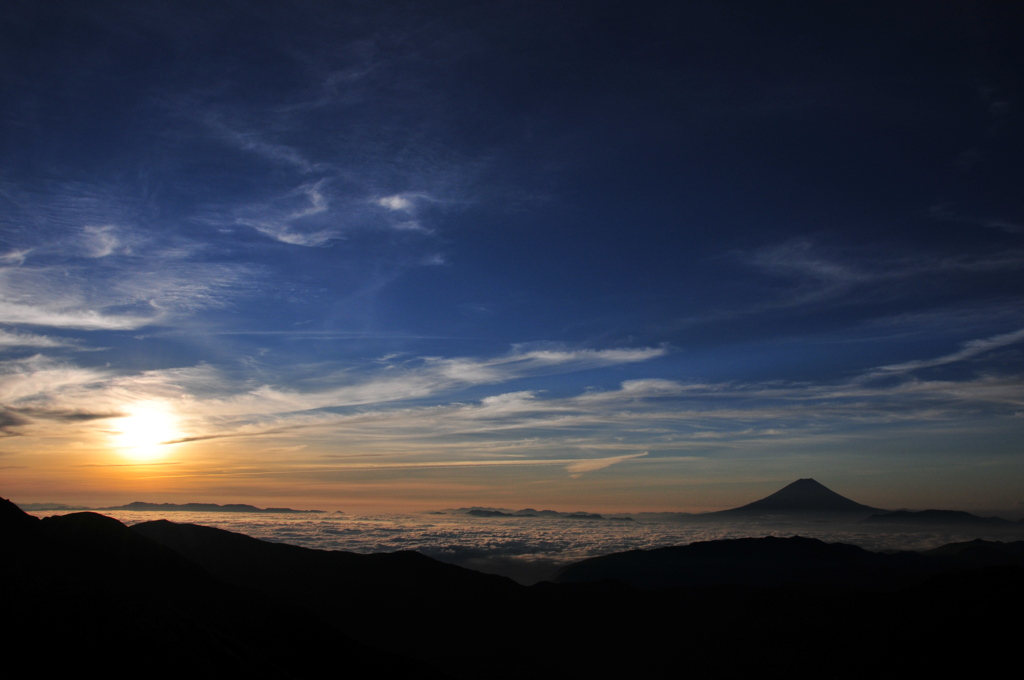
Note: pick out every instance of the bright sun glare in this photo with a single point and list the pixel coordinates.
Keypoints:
(141, 434)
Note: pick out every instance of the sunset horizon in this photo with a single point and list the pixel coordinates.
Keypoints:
(608, 256)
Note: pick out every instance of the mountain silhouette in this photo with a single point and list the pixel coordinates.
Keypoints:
(166, 600)
(769, 561)
(109, 597)
(142, 506)
(938, 518)
(804, 497)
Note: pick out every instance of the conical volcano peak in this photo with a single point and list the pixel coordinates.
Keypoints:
(806, 482)
(804, 496)
(806, 486)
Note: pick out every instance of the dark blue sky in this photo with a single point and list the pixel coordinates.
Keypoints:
(610, 254)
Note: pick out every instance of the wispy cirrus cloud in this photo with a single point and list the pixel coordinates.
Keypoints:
(65, 312)
(406, 205)
(969, 350)
(15, 257)
(41, 380)
(421, 378)
(256, 142)
(817, 274)
(813, 275)
(409, 412)
(101, 241)
(946, 213)
(577, 468)
(129, 297)
(307, 224)
(591, 433)
(18, 339)
(214, 399)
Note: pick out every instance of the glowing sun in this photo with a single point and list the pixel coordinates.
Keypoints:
(143, 433)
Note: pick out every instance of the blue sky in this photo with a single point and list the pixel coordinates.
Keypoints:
(623, 255)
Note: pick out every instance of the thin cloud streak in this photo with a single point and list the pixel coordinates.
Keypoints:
(820, 275)
(17, 339)
(970, 350)
(253, 142)
(655, 414)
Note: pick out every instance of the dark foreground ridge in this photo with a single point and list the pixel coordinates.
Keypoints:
(167, 600)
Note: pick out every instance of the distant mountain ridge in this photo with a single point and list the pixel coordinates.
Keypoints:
(937, 518)
(477, 511)
(141, 506)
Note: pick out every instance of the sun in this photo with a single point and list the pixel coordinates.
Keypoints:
(143, 433)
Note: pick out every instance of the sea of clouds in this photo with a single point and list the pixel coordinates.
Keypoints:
(531, 549)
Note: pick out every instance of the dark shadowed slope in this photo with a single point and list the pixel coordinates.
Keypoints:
(84, 591)
(980, 553)
(766, 561)
(404, 601)
(805, 498)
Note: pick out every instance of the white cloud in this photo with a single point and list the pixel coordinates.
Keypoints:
(406, 205)
(364, 407)
(529, 359)
(317, 201)
(66, 314)
(969, 350)
(15, 257)
(100, 241)
(40, 379)
(577, 468)
(120, 298)
(15, 339)
(817, 274)
(294, 225)
(410, 225)
(435, 260)
(434, 375)
(510, 402)
(255, 143)
(400, 202)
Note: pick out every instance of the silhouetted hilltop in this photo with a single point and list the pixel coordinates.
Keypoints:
(259, 564)
(980, 553)
(84, 591)
(937, 518)
(58, 507)
(13, 518)
(400, 601)
(767, 561)
(804, 497)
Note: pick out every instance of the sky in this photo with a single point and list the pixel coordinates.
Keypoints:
(588, 255)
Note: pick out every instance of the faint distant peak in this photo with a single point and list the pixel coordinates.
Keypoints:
(803, 497)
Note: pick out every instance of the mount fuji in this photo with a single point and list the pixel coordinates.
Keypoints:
(803, 497)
